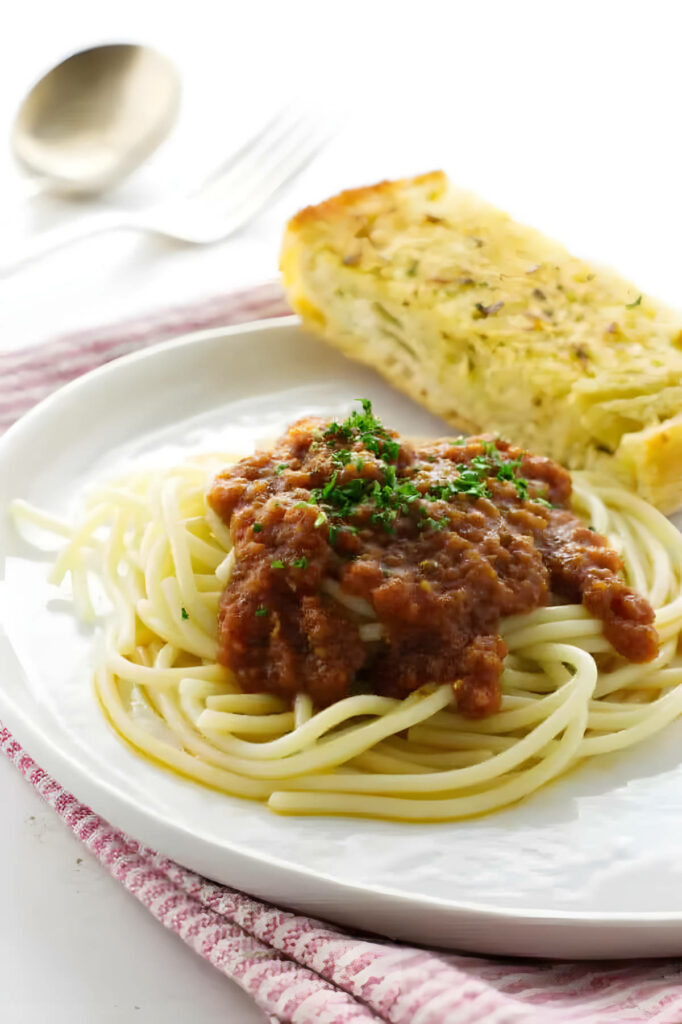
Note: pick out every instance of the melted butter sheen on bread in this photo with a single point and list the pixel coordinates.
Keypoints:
(494, 327)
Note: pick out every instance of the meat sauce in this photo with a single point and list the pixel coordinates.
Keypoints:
(439, 540)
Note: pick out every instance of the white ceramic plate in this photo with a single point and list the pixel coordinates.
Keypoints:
(588, 867)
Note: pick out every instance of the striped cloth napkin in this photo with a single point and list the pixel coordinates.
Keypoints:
(299, 970)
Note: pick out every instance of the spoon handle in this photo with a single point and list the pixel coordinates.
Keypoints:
(49, 241)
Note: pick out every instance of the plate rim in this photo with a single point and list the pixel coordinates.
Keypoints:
(33, 737)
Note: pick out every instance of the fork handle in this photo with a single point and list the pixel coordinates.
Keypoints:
(58, 238)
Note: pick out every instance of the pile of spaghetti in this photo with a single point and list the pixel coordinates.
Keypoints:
(163, 557)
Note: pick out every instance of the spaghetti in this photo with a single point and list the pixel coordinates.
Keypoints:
(150, 547)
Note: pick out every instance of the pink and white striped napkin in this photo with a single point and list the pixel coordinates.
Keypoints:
(299, 970)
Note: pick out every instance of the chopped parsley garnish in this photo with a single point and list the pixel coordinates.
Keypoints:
(471, 480)
(300, 563)
(261, 611)
(257, 527)
(280, 469)
(184, 613)
(387, 497)
(341, 457)
(277, 564)
(365, 427)
(507, 470)
(637, 302)
(521, 486)
(429, 523)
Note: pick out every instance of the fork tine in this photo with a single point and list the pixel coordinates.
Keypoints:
(268, 130)
(258, 193)
(253, 159)
(248, 178)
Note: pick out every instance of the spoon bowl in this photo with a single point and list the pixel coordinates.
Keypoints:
(94, 118)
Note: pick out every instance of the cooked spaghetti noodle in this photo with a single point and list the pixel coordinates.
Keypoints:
(163, 557)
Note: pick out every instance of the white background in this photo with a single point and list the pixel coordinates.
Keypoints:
(568, 115)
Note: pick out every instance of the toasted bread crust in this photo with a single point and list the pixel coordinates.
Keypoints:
(494, 327)
(351, 198)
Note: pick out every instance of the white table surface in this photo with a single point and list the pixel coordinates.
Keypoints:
(567, 115)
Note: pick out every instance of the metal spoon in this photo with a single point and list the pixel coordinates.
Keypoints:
(95, 117)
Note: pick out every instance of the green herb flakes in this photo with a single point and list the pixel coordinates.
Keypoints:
(387, 497)
(341, 457)
(184, 613)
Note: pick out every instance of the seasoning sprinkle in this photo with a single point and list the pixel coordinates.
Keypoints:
(390, 497)
(485, 311)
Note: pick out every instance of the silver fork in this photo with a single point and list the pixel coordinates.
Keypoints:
(228, 199)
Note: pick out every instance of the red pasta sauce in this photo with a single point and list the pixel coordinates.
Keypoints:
(441, 539)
